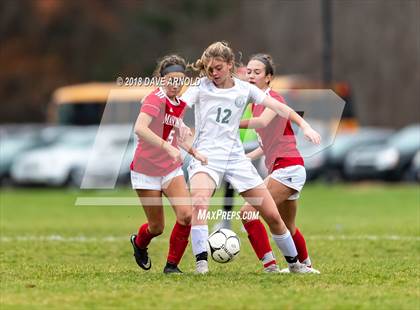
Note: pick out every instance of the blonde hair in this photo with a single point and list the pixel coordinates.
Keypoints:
(221, 50)
(167, 61)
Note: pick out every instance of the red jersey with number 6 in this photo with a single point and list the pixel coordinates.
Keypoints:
(277, 139)
(167, 115)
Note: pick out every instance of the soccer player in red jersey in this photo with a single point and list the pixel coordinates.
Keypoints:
(283, 161)
(156, 167)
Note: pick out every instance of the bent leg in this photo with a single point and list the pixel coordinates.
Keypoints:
(151, 201)
(181, 203)
(269, 212)
(289, 210)
(202, 187)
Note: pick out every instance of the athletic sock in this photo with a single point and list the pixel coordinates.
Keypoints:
(307, 262)
(199, 236)
(201, 256)
(268, 259)
(287, 247)
(300, 244)
(144, 236)
(258, 237)
(178, 242)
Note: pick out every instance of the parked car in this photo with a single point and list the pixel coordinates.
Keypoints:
(114, 167)
(57, 164)
(345, 143)
(390, 160)
(414, 172)
(64, 162)
(15, 140)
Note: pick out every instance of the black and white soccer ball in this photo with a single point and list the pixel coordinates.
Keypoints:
(224, 245)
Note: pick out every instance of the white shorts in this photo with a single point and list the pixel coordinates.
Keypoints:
(240, 173)
(143, 181)
(292, 176)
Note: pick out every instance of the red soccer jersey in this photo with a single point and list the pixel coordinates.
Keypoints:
(277, 139)
(149, 159)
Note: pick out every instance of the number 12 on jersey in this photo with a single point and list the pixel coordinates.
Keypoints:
(227, 113)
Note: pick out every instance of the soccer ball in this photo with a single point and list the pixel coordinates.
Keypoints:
(224, 245)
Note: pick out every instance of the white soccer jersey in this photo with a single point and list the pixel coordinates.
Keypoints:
(218, 112)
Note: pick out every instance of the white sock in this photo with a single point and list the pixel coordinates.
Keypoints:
(268, 259)
(307, 262)
(286, 245)
(199, 235)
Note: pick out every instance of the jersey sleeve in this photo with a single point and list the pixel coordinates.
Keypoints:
(191, 96)
(151, 106)
(256, 95)
(277, 96)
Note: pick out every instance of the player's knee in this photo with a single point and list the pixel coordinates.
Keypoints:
(156, 228)
(274, 220)
(200, 201)
(247, 214)
(246, 208)
(184, 218)
(200, 210)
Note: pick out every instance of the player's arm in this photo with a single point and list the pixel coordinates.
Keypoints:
(184, 132)
(144, 132)
(187, 143)
(187, 146)
(255, 154)
(259, 122)
(288, 113)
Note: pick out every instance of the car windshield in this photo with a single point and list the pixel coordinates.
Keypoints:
(407, 138)
(18, 140)
(77, 138)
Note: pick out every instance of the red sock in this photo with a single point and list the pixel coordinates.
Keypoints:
(178, 242)
(144, 236)
(300, 244)
(258, 237)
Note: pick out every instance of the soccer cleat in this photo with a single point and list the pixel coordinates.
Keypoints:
(201, 267)
(301, 268)
(285, 270)
(316, 271)
(141, 255)
(171, 269)
(272, 269)
(306, 262)
(310, 270)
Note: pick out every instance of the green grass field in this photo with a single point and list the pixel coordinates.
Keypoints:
(363, 238)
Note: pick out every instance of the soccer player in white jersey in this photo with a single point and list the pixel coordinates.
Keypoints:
(219, 101)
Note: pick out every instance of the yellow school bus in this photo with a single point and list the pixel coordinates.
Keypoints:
(84, 104)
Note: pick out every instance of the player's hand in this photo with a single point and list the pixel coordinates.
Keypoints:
(184, 132)
(311, 135)
(173, 152)
(201, 158)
